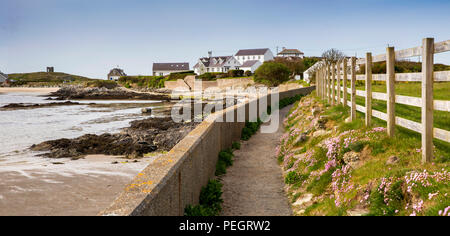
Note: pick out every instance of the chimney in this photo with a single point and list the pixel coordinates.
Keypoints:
(209, 54)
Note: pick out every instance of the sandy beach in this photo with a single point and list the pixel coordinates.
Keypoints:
(27, 90)
(65, 187)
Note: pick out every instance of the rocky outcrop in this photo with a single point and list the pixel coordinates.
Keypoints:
(144, 136)
(75, 92)
(18, 106)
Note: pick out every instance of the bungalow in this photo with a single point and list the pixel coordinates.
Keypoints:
(251, 65)
(216, 64)
(262, 55)
(115, 74)
(163, 69)
(3, 77)
(290, 53)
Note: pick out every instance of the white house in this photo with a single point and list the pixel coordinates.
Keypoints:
(262, 55)
(3, 77)
(115, 74)
(291, 53)
(216, 64)
(250, 65)
(163, 69)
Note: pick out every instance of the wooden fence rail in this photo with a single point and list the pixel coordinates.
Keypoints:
(329, 76)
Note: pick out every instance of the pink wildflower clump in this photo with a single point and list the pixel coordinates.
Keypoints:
(341, 185)
(424, 179)
(445, 212)
(385, 187)
(333, 146)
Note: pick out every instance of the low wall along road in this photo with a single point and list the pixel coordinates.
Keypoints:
(173, 181)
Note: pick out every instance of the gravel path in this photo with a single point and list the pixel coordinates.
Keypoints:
(254, 185)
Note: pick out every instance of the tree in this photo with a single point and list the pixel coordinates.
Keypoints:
(295, 65)
(272, 73)
(332, 56)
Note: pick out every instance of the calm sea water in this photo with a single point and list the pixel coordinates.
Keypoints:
(19, 129)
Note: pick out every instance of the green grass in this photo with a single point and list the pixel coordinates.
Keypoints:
(413, 89)
(413, 113)
(44, 78)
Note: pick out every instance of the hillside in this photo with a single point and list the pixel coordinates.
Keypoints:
(46, 79)
(334, 167)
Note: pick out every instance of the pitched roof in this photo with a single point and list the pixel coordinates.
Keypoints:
(181, 66)
(117, 72)
(3, 77)
(250, 52)
(213, 61)
(290, 51)
(249, 63)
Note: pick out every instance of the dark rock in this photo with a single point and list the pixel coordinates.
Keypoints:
(75, 92)
(144, 136)
(392, 160)
(17, 106)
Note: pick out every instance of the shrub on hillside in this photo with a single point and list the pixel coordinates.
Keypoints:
(210, 75)
(143, 81)
(272, 74)
(179, 75)
(248, 73)
(235, 73)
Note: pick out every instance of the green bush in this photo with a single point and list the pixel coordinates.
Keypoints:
(250, 129)
(248, 73)
(272, 74)
(236, 145)
(235, 73)
(211, 76)
(210, 201)
(291, 178)
(225, 160)
(289, 101)
(143, 81)
(179, 75)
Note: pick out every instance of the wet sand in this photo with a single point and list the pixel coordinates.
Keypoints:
(27, 90)
(65, 187)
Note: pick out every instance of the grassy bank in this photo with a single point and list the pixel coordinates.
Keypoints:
(441, 92)
(338, 168)
(44, 79)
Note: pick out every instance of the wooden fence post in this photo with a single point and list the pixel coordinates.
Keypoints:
(324, 89)
(368, 88)
(390, 88)
(338, 89)
(321, 81)
(317, 82)
(328, 83)
(353, 85)
(344, 68)
(427, 99)
(333, 72)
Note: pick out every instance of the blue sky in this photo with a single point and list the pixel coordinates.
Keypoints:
(89, 37)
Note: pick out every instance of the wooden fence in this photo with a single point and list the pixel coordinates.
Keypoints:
(329, 76)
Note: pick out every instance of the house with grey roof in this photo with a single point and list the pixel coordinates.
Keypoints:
(251, 65)
(291, 53)
(216, 64)
(115, 74)
(261, 54)
(163, 69)
(3, 77)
